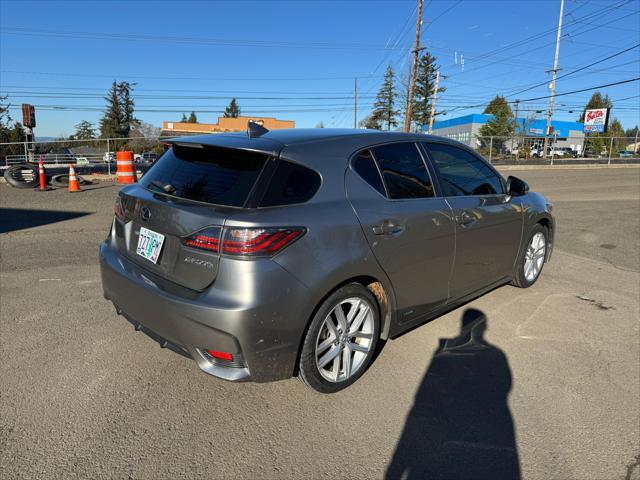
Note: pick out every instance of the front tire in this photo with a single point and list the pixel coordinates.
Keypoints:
(532, 258)
(341, 339)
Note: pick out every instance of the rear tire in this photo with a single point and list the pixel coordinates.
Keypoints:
(532, 258)
(341, 339)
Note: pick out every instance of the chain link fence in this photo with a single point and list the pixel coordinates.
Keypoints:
(579, 148)
(100, 153)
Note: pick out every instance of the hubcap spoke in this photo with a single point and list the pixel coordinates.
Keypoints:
(346, 362)
(342, 321)
(357, 322)
(330, 355)
(358, 348)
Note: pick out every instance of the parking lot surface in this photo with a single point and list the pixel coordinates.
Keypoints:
(552, 391)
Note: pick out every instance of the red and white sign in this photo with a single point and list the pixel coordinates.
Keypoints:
(595, 120)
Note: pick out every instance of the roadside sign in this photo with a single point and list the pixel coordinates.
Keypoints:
(595, 120)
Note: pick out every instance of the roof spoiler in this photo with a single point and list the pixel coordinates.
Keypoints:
(255, 130)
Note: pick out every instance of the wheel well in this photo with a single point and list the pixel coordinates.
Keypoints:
(547, 224)
(379, 292)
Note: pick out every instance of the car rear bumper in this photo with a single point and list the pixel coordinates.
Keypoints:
(255, 310)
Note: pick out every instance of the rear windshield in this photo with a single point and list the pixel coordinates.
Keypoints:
(221, 176)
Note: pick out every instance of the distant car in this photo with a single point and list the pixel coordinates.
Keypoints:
(147, 158)
(295, 251)
(109, 157)
(82, 161)
(625, 154)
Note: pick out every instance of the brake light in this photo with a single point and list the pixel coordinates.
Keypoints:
(244, 242)
(118, 209)
(258, 242)
(207, 239)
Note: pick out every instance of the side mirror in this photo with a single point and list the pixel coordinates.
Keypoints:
(516, 187)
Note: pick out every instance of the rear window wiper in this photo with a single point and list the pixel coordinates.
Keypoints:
(165, 187)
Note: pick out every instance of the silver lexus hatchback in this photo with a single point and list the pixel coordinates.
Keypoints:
(272, 254)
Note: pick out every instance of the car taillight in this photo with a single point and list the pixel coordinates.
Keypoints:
(244, 242)
(118, 209)
(258, 242)
(207, 239)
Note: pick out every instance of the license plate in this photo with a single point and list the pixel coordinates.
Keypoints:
(149, 244)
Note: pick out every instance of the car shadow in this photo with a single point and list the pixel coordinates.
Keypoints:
(12, 219)
(460, 425)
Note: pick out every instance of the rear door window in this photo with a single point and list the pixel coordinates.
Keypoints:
(365, 166)
(291, 183)
(462, 173)
(403, 171)
(220, 176)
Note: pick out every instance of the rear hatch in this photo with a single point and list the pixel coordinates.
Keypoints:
(190, 190)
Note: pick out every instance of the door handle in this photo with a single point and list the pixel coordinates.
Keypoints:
(465, 219)
(387, 228)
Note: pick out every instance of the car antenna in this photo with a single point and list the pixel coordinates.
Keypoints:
(254, 129)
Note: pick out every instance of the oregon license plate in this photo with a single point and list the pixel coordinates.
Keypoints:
(149, 244)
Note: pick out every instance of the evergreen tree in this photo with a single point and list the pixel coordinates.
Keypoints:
(501, 126)
(84, 131)
(110, 123)
(370, 123)
(232, 110)
(126, 107)
(425, 85)
(192, 118)
(616, 131)
(184, 119)
(320, 124)
(384, 108)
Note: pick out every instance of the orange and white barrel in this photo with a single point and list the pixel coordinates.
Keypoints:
(126, 170)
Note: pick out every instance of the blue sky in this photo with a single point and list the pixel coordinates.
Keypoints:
(297, 59)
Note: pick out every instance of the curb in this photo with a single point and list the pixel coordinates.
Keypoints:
(566, 167)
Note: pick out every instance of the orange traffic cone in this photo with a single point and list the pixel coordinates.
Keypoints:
(73, 181)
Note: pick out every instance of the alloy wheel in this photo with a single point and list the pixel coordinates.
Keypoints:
(344, 340)
(534, 256)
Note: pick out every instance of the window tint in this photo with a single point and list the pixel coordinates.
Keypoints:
(290, 184)
(463, 173)
(221, 176)
(403, 171)
(366, 168)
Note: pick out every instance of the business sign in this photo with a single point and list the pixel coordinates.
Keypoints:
(595, 121)
(537, 131)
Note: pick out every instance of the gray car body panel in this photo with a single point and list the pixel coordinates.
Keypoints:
(262, 307)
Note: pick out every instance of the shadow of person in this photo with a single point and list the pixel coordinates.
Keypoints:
(460, 426)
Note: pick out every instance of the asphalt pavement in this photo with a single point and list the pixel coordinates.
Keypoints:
(548, 387)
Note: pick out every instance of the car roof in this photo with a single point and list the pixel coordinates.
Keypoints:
(273, 141)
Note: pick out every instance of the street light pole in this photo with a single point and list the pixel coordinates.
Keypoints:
(414, 70)
(553, 82)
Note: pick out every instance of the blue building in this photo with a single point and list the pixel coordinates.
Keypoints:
(466, 129)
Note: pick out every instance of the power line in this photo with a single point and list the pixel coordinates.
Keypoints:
(579, 69)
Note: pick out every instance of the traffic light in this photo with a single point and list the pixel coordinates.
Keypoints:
(28, 115)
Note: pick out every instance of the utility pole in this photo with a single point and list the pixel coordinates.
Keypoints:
(433, 102)
(553, 82)
(414, 70)
(515, 127)
(355, 104)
